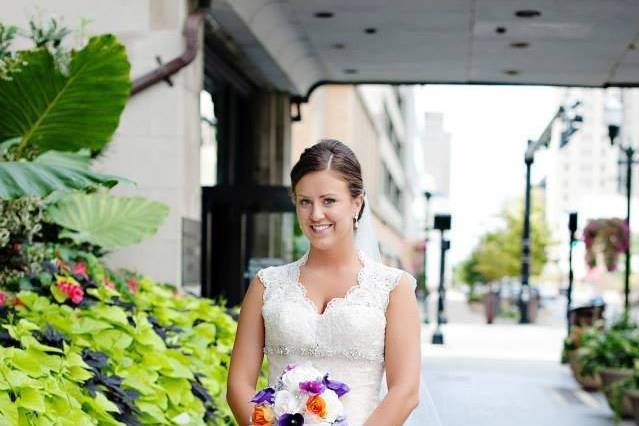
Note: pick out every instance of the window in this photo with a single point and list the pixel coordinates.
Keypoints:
(390, 188)
(392, 133)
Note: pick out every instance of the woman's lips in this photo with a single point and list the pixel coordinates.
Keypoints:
(321, 229)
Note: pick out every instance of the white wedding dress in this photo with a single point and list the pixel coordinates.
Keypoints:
(346, 340)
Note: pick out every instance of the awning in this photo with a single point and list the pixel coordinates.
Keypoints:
(299, 44)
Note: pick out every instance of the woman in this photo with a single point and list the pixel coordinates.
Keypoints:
(346, 313)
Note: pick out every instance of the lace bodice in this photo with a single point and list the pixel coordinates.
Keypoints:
(346, 340)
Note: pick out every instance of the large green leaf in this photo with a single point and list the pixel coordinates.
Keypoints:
(107, 220)
(25, 178)
(53, 111)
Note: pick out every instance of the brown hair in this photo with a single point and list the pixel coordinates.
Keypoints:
(331, 154)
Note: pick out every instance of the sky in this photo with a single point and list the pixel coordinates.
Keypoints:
(489, 128)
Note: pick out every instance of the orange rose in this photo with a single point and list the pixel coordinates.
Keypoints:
(316, 405)
(263, 416)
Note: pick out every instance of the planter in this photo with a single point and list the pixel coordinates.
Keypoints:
(491, 299)
(633, 396)
(613, 375)
(588, 383)
(586, 316)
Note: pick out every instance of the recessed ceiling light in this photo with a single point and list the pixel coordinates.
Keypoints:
(370, 30)
(528, 13)
(500, 30)
(350, 71)
(324, 14)
(338, 46)
(520, 45)
(512, 72)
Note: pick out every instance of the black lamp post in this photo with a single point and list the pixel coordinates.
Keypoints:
(613, 113)
(529, 157)
(572, 227)
(442, 223)
(428, 196)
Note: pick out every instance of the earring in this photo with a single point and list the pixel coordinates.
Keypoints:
(356, 222)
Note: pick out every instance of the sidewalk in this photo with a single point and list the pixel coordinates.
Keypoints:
(502, 374)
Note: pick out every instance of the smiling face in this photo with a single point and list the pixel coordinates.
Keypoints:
(325, 208)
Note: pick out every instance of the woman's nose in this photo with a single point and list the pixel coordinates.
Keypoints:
(317, 213)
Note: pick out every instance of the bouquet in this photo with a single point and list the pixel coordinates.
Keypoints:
(302, 396)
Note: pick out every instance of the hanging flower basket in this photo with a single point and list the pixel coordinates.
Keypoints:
(607, 236)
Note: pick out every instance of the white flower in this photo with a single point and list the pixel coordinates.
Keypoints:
(286, 402)
(301, 373)
(334, 409)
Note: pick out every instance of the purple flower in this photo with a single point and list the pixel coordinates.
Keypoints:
(265, 395)
(291, 420)
(338, 387)
(313, 387)
(340, 421)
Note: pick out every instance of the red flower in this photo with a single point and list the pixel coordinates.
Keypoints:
(133, 285)
(80, 268)
(3, 298)
(73, 291)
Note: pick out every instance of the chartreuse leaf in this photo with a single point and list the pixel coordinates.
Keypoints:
(30, 399)
(112, 314)
(58, 294)
(8, 410)
(104, 403)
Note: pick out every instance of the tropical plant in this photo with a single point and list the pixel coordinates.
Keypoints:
(105, 220)
(45, 107)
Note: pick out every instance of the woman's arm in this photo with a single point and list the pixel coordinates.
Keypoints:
(246, 358)
(402, 356)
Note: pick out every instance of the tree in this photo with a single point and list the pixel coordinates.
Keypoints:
(498, 253)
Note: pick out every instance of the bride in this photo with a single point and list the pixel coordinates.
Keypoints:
(337, 307)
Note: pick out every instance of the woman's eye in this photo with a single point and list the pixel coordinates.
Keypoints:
(328, 201)
(304, 202)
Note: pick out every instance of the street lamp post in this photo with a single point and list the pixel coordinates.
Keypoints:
(572, 227)
(529, 158)
(428, 196)
(442, 223)
(613, 112)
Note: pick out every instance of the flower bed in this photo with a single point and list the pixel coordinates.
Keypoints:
(80, 344)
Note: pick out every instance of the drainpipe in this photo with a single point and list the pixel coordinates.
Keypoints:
(165, 71)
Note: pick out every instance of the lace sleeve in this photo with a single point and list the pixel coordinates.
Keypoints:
(262, 275)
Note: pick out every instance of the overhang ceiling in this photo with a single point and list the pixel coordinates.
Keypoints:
(589, 43)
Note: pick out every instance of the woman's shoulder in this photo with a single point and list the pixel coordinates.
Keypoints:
(389, 276)
(278, 274)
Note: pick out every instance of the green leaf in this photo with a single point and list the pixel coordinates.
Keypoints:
(53, 111)
(30, 399)
(108, 221)
(23, 178)
(8, 410)
(112, 314)
(152, 411)
(58, 294)
(104, 403)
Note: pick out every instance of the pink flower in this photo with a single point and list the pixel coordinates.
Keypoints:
(3, 298)
(73, 291)
(107, 283)
(80, 268)
(133, 285)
